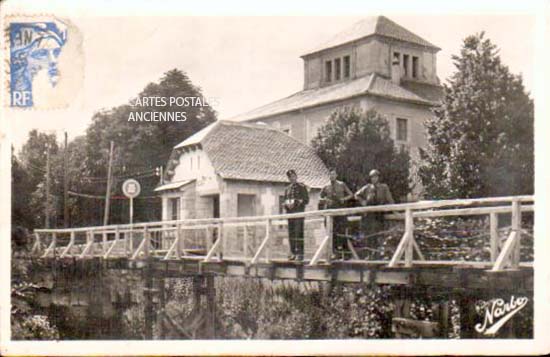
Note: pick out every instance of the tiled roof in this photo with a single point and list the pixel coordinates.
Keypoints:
(379, 25)
(427, 91)
(369, 85)
(259, 153)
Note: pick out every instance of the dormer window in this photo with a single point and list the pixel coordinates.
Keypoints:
(328, 71)
(337, 69)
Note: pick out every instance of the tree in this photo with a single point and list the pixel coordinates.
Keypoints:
(480, 141)
(354, 142)
(139, 147)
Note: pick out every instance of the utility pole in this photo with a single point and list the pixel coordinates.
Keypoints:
(108, 193)
(66, 185)
(47, 215)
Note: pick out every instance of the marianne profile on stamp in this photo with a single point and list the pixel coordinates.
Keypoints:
(35, 68)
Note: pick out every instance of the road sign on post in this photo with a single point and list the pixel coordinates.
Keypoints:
(131, 189)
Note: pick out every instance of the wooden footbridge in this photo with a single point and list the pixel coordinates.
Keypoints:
(255, 247)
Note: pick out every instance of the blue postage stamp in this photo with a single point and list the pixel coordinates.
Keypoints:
(36, 67)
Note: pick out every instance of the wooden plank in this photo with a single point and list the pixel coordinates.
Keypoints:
(213, 250)
(317, 214)
(417, 250)
(135, 255)
(352, 250)
(110, 250)
(104, 245)
(260, 249)
(245, 241)
(180, 249)
(493, 217)
(409, 228)
(69, 246)
(320, 249)
(146, 242)
(406, 327)
(504, 257)
(516, 226)
(50, 247)
(330, 233)
(37, 245)
(221, 238)
(399, 251)
(172, 249)
(268, 234)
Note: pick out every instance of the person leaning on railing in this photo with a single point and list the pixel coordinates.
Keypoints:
(373, 194)
(296, 199)
(333, 196)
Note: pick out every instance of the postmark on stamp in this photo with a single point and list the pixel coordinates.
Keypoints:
(45, 62)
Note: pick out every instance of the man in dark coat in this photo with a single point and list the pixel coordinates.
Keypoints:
(333, 196)
(296, 199)
(373, 194)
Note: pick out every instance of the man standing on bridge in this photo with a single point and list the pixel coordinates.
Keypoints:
(334, 196)
(373, 194)
(296, 199)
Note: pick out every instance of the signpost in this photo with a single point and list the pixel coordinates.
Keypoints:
(131, 189)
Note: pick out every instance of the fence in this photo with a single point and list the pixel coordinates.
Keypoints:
(261, 239)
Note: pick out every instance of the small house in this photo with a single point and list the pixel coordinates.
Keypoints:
(233, 169)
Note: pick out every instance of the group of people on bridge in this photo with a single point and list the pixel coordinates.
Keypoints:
(333, 196)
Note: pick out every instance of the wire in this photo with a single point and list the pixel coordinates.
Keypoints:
(86, 195)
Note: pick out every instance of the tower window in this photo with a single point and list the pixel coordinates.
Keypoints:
(415, 67)
(328, 71)
(337, 68)
(347, 67)
(406, 65)
(401, 130)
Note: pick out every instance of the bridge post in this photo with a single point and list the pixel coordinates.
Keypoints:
(516, 226)
(495, 244)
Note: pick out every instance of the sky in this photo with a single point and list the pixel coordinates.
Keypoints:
(242, 62)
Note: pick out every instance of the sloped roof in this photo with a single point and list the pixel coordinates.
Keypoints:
(379, 25)
(259, 153)
(173, 185)
(372, 84)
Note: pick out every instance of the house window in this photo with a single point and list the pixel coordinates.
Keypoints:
(401, 131)
(347, 67)
(245, 205)
(198, 162)
(328, 71)
(415, 67)
(191, 164)
(406, 65)
(396, 58)
(337, 68)
(174, 209)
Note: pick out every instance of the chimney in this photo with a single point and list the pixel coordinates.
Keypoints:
(396, 68)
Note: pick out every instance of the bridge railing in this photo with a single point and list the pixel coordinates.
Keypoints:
(261, 239)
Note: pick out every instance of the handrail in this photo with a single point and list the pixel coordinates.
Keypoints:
(170, 240)
(424, 205)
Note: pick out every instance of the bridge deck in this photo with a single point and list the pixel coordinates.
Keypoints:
(246, 246)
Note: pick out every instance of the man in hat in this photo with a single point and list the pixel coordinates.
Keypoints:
(334, 196)
(296, 199)
(372, 194)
